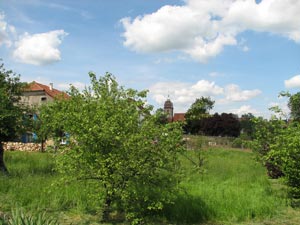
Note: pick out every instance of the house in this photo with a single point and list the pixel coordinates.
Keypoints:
(36, 94)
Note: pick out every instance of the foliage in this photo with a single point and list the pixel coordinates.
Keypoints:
(116, 141)
(198, 110)
(277, 142)
(234, 188)
(241, 142)
(222, 125)
(266, 132)
(10, 112)
(18, 217)
(161, 116)
(247, 125)
(286, 152)
(37, 187)
(294, 106)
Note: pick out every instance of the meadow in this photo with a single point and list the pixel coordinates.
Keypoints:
(230, 188)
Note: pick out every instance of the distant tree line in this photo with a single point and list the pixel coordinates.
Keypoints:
(199, 121)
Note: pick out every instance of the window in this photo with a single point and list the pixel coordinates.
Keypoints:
(44, 99)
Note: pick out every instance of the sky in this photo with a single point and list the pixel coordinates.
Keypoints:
(241, 53)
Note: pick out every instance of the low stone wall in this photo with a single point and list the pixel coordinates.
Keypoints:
(19, 146)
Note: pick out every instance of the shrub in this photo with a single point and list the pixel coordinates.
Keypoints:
(18, 217)
(285, 152)
(266, 133)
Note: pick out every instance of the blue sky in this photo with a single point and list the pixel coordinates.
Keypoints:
(242, 53)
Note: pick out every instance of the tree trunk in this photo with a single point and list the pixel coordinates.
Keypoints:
(42, 145)
(107, 209)
(3, 168)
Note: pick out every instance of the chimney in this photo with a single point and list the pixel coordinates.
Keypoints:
(51, 86)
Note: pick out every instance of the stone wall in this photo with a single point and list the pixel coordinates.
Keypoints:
(19, 146)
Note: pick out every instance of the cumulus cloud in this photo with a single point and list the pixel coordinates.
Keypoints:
(244, 110)
(183, 94)
(293, 82)
(233, 93)
(6, 31)
(66, 86)
(39, 49)
(201, 28)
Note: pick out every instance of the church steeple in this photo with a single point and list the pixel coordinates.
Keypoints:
(168, 109)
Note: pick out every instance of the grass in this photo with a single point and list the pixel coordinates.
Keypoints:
(234, 188)
(34, 186)
(231, 188)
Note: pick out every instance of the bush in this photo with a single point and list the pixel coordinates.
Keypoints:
(285, 153)
(18, 217)
(266, 133)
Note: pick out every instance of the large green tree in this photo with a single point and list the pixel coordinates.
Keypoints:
(247, 125)
(294, 106)
(198, 110)
(10, 111)
(116, 142)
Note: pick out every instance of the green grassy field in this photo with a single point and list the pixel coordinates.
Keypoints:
(231, 188)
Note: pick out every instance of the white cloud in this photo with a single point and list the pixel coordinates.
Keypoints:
(293, 82)
(39, 49)
(283, 105)
(233, 93)
(5, 31)
(202, 28)
(66, 86)
(244, 110)
(183, 94)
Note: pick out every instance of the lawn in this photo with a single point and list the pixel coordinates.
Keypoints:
(230, 188)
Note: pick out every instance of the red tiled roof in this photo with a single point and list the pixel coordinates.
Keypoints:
(34, 86)
(179, 117)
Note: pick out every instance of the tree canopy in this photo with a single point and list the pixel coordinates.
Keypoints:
(198, 110)
(10, 111)
(118, 143)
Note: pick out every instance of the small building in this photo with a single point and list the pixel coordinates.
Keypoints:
(36, 94)
(179, 117)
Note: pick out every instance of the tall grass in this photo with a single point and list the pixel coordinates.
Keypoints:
(233, 188)
(34, 186)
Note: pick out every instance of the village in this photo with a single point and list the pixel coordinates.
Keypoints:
(149, 112)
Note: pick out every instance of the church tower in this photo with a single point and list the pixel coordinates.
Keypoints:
(168, 109)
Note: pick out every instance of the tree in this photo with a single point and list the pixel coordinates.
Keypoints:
(198, 110)
(221, 125)
(285, 151)
(247, 125)
(266, 132)
(10, 111)
(294, 106)
(161, 116)
(117, 142)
